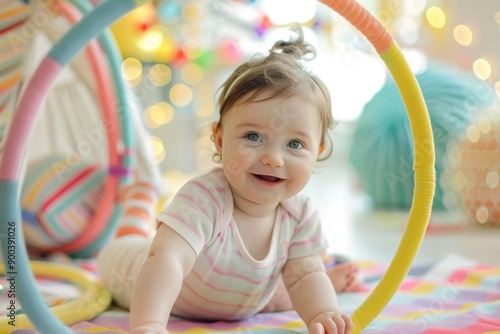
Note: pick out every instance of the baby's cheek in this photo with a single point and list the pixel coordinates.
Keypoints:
(246, 153)
(233, 168)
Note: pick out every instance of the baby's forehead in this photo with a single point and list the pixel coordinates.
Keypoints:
(295, 111)
(278, 97)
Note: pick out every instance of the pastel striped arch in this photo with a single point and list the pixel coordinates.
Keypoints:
(57, 204)
(13, 18)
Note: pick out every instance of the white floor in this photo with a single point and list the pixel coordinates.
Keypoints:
(356, 231)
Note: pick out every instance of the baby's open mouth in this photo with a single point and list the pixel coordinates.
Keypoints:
(268, 178)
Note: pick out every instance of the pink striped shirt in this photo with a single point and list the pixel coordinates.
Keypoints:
(226, 282)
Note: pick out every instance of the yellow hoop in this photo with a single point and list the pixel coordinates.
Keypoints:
(94, 299)
(424, 158)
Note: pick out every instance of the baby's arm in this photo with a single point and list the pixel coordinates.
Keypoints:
(314, 297)
(169, 260)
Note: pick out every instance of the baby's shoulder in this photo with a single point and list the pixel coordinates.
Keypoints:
(212, 182)
(298, 206)
(208, 187)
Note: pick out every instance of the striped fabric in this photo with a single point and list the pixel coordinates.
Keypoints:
(13, 17)
(119, 262)
(139, 201)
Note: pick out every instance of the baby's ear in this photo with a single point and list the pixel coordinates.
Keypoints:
(217, 137)
(322, 149)
(215, 126)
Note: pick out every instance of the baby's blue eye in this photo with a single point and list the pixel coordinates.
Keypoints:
(253, 137)
(295, 144)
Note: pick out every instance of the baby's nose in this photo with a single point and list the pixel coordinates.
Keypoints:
(272, 156)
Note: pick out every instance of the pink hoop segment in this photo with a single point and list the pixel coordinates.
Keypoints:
(360, 18)
(48, 70)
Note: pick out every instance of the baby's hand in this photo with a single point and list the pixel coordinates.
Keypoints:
(331, 323)
(152, 328)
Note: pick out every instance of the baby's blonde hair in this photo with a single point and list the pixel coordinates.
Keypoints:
(280, 74)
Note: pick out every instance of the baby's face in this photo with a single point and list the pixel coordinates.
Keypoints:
(269, 148)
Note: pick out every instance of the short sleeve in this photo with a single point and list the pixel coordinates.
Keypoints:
(308, 237)
(195, 212)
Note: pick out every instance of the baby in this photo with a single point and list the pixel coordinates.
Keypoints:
(234, 239)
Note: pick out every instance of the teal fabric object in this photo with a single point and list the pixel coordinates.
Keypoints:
(382, 144)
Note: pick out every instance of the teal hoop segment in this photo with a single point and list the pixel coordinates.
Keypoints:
(89, 27)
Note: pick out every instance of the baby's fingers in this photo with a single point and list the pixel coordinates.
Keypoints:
(338, 324)
(317, 328)
(331, 323)
(328, 326)
(348, 323)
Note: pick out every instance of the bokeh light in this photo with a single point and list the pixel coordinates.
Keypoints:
(160, 75)
(497, 88)
(482, 214)
(497, 18)
(167, 110)
(131, 69)
(436, 17)
(181, 95)
(153, 117)
(192, 13)
(157, 149)
(463, 35)
(492, 179)
(192, 73)
(169, 10)
(473, 133)
(158, 114)
(482, 68)
(230, 51)
(133, 29)
(484, 125)
(152, 39)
